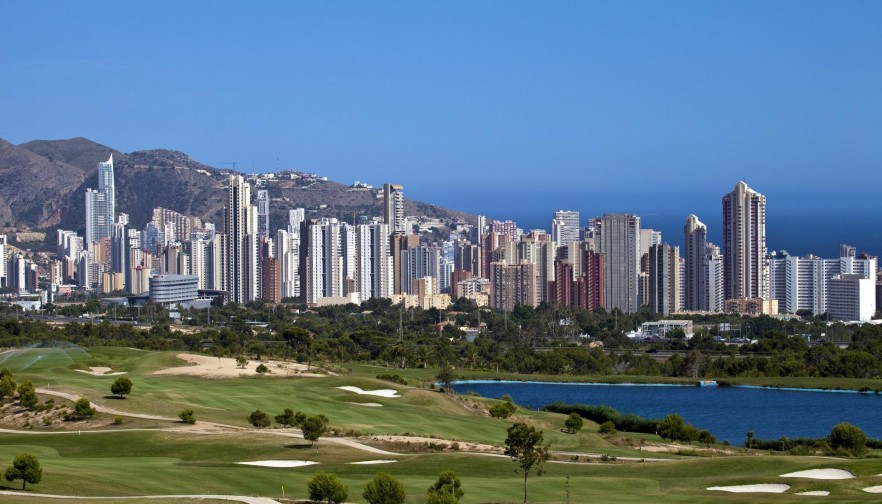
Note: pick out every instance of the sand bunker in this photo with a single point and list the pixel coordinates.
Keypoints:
(207, 366)
(817, 493)
(821, 474)
(760, 488)
(873, 489)
(278, 463)
(100, 371)
(380, 392)
(368, 404)
(371, 462)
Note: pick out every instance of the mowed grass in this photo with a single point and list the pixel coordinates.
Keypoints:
(164, 463)
(161, 463)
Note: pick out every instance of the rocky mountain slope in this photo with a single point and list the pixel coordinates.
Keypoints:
(43, 185)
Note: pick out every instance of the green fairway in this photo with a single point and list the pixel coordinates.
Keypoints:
(132, 462)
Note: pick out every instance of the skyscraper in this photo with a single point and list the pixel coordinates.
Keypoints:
(240, 230)
(664, 279)
(374, 261)
(695, 240)
(263, 214)
(565, 227)
(744, 243)
(393, 207)
(619, 242)
(100, 204)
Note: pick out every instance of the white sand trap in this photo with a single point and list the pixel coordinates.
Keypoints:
(379, 392)
(873, 489)
(100, 371)
(821, 474)
(207, 366)
(368, 404)
(278, 463)
(817, 493)
(371, 462)
(759, 488)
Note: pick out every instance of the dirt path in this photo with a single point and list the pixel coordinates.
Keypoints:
(237, 498)
(204, 427)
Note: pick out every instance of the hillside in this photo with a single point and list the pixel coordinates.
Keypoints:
(43, 185)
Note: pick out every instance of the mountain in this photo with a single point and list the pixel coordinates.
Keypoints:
(43, 185)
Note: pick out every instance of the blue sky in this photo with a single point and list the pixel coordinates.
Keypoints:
(598, 106)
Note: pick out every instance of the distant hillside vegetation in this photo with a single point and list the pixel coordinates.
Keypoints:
(43, 185)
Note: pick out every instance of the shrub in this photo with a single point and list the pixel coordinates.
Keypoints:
(502, 410)
(27, 395)
(607, 428)
(848, 437)
(259, 419)
(83, 409)
(600, 414)
(447, 490)
(262, 369)
(117, 420)
(384, 489)
(574, 423)
(187, 416)
(325, 487)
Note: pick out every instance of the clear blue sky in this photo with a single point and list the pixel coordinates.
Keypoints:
(600, 106)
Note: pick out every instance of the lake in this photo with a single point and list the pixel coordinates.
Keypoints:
(727, 412)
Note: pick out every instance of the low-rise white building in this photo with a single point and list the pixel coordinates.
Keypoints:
(851, 297)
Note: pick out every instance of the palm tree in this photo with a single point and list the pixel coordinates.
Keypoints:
(400, 350)
(425, 354)
(471, 356)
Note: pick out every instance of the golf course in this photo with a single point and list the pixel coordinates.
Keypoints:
(135, 448)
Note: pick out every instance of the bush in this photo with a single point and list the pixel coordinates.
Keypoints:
(607, 428)
(392, 378)
(83, 409)
(117, 420)
(7, 386)
(27, 395)
(262, 369)
(447, 490)
(600, 414)
(384, 489)
(848, 437)
(574, 423)
(325, 487)
(504, 409)
(259, 419)
(187, 416)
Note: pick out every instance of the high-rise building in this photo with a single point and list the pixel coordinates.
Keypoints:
(565, 227)
(4, 276)
(374, 275)
(695, 240)
(512, 285)
(393, 208)
(287, 245)
(619, 242)
(263, 214)
(664, 279)
(714, 278)
(242, 254)
(100, 204)
(744, 244)
(295, 217)
(327, 247)
(852, 298)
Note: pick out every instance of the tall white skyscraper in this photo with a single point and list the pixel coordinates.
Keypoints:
(101, 205)
(4, 277)
(240, 229)
(327, 250)
(565, 227)
(295, 217)
(619, 242)
(744, 243)
(374, 276)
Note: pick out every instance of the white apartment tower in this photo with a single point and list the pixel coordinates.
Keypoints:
(744, 243)
(100, 204)
(263, 214)
(374, 274)
(565, 227)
